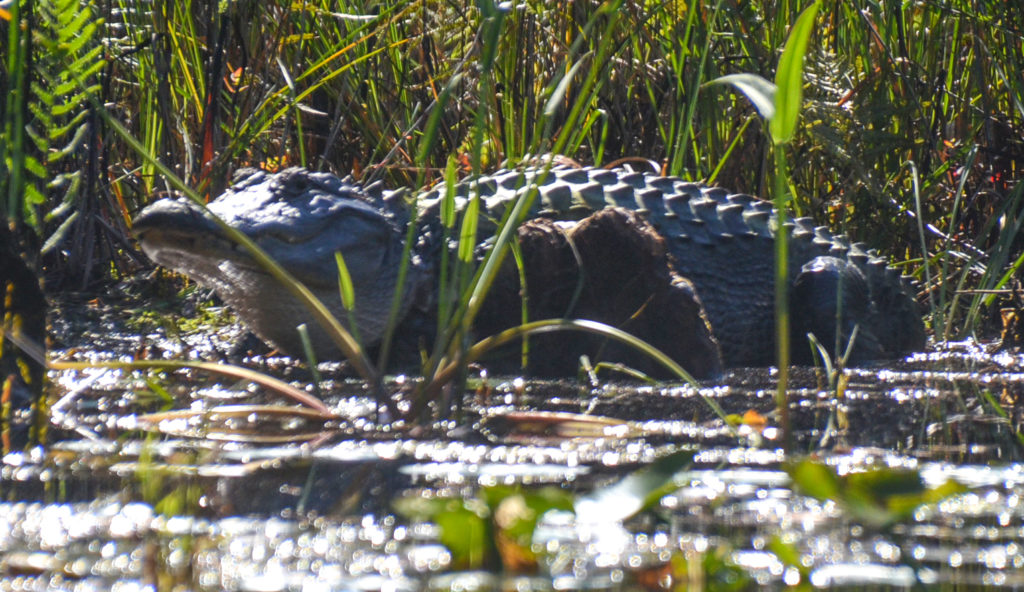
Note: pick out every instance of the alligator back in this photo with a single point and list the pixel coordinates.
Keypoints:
(722, 242)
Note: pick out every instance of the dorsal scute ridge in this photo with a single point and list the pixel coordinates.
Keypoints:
(732, 217)
(681, 209)
(759, 221)
(707, 212)
(665, 185)
(720, 245)
(635, 179)
(717, 194)
(375, 190)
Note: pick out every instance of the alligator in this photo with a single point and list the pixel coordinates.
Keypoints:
(720, 241)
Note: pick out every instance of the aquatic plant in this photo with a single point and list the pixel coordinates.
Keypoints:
(497, 528)
(780, 104)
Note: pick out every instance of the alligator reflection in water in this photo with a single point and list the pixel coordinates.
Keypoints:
(327, 521)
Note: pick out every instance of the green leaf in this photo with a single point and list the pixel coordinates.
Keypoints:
(59, 234)
(448, 201)
(466, 532)
(636, 492)
(883, 484)
(789, 78)
(345, 287)
(556, 98)
(815, 479)
(786, 552)
(516, 510)
(761, 92)
(434, 122)
(467, 237)
(876, 497)
(417, 507)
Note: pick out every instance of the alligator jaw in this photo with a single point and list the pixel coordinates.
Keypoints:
(179, 235)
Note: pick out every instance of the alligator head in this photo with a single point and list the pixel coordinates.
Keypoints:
(300, 219)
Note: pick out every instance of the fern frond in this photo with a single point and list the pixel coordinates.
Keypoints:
(66, 58)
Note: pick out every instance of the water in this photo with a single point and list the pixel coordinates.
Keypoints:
(262, 503)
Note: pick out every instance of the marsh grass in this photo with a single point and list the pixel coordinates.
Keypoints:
(394, 90)
(910, 136)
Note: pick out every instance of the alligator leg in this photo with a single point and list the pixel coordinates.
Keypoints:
(610, 267)
(830, 294)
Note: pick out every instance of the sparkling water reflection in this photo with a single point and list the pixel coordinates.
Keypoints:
(112, 510)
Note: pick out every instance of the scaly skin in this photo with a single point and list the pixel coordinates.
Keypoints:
(723, 243)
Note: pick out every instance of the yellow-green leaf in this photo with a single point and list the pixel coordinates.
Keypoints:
(345, 287)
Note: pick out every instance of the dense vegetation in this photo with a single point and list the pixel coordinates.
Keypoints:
(910, 136)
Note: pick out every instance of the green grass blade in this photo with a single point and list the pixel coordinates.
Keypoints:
(789, 78)
(467, 235)
(345, 287)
